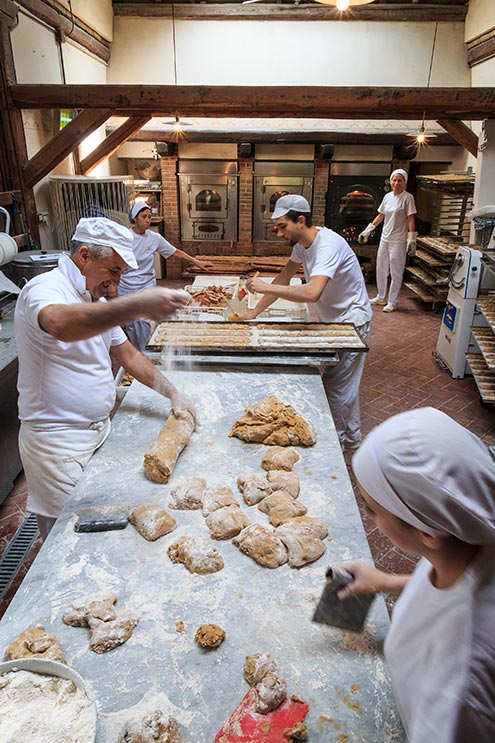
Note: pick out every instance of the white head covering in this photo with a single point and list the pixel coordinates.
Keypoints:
(108, 234)
(398, 171)
(136, 208)
(432, 473)
(290, 202)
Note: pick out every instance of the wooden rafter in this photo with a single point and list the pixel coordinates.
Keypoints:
(113, 142)
(265, 101)
(462, 134)
(62, 144)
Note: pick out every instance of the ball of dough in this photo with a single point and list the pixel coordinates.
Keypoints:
(209, 635)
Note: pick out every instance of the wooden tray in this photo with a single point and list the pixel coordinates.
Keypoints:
(267, 338)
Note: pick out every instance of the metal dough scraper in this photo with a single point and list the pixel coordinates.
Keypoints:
(349, 613)
(245, 725)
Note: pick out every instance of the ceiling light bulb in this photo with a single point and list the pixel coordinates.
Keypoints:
(342, 4)
(421, 138)
(177, 125)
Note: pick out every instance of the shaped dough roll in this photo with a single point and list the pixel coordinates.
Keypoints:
(160, 460)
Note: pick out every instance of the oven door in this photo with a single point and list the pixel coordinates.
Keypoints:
(204, 198)
(203, 229)
(353, 203)
(267, 190)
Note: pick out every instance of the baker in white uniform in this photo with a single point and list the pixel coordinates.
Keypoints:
(429, 486)
(65, 331)
(398, 239)
(335, 285)
(143, 276)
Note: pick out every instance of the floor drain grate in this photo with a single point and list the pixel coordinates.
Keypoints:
(14, 555)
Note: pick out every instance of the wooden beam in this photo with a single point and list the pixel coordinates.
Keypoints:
(266, 101)
(285, 136)
(481, 49)
(462, 134)
(113, 142)
(8, 197)
(69, 27)
(281, 12)
(62, 144)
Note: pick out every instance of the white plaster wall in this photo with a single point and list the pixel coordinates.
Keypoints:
(483, 74)
(292, 53)
(97, 14)
(480, 18)
(35, 51)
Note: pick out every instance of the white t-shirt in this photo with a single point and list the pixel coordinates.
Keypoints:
(428, 652)
(344, 298)
(144, 248)
(396, 210)
(61, 383)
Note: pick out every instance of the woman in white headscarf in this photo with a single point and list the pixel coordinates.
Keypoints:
(398, 239)
(429, 485)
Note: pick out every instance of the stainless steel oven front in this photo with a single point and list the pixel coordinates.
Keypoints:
(208, 199)
(271, 181)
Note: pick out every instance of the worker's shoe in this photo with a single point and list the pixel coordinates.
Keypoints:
(389, 308)
(350, 445)
(378, 300)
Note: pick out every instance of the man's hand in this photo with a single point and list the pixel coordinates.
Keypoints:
(256, 285)
(159, 302)
(250, 315)
(181, 404)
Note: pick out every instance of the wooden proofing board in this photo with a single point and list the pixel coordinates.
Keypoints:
(272, 337)
(341, 675)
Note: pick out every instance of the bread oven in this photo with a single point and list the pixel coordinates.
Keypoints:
(208, 199)
(355, 191)
(271, 181)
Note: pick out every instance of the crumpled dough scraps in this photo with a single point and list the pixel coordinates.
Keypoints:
(274, 423)
(154, 728)
(35, 642)
(109, 627)
(209, 635)
(263, 675)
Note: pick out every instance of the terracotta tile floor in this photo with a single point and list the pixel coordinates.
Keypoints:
(400, 374)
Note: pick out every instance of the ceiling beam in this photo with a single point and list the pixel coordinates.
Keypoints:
(113, 142)
(281, 12)
(265, 101)
(62, 145)
(462, 134)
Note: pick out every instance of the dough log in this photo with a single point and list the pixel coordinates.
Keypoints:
(160, 460)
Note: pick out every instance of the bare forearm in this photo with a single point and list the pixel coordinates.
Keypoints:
(77, 322)
(188, 258)
(411, 223)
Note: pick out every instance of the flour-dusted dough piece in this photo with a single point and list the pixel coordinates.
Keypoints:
(215, 498)
(225, 523)
(152, 521)
(35, 642)
(263, 675)
(154, 728)
(160, 460)
(253, 487)
(258, 665)
(197, 554)
(188, 494)
(281, 506)
(279, 458)
(106, 636)
(209, 635)
(97, 606)
(282, 480)
(273, 423)
(302, 548)
(306, 525)
(298, 732)
(262, 544)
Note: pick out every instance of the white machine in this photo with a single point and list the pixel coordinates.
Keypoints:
(458, 316)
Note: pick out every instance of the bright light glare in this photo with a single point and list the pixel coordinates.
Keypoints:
(342, 4)
(421, 138)
(177, 126)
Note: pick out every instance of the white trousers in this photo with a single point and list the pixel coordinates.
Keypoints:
(53, 461)
(341, 383)
(390, 260)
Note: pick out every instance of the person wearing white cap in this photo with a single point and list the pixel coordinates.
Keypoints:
(65, 332)
(398, 239)
(335, 285)
(146, 244)
(429, 486)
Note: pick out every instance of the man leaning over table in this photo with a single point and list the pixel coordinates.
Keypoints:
(65, 333)
(335, 286)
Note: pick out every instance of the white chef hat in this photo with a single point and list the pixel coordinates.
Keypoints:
(399, 171)
(290, 202)
(108, 234)
(136, 208)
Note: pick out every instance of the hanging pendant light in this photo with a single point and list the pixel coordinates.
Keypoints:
(344, 4)
(176, 124)
(421, 137)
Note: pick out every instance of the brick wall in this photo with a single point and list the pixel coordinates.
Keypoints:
(320, 185)
(245, 243)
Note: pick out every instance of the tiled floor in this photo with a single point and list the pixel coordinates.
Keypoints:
(400, 374)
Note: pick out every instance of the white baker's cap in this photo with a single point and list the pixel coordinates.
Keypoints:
(290, 202)
(108, 234)
(136, 208)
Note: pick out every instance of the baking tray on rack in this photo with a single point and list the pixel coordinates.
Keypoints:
(258, 338)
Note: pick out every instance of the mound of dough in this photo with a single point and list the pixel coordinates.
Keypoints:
(160, 460)
(209, 635)
(197, 554)
(281, 506)
(151, 521)
(279, 458)
(188, 494)
(109, 626)
(225, 523)
(302, 548)
(35, 642)
(269, 687)
(307, 525)
(262, 544)
(215, 498)
(154, 728)
(298, 732)
(273, 423)
(253, 487)
(281, 480)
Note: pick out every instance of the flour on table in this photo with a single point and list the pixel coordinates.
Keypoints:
(38, 708)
